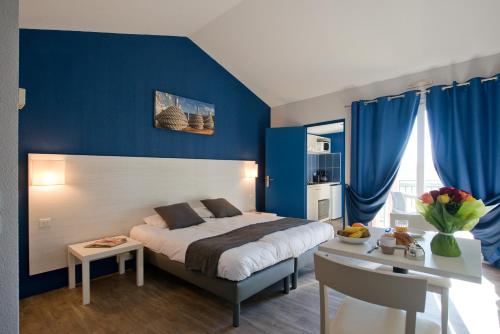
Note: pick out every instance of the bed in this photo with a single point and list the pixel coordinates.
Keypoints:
(242, 271)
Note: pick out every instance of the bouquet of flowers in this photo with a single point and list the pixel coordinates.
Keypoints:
(449, 210)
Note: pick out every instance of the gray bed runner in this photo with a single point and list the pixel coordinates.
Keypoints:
(203, 255)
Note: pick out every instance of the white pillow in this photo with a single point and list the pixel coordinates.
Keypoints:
(156, 221)
(203, 212)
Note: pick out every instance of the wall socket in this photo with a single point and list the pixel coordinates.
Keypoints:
(44, 222)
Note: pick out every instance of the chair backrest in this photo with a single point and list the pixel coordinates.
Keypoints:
(398, 201)
(399, 291)
(414, 221)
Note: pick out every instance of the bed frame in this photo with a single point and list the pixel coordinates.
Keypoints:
(303, 260)
(237, 291)
(233, 292)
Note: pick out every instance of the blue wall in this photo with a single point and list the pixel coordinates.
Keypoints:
(92, 93)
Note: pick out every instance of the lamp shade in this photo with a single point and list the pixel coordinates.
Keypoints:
(48, 172)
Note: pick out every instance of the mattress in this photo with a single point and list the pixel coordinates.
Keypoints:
(238, 263)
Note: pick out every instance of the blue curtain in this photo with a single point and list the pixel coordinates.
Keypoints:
(464, 123)
(379, 134)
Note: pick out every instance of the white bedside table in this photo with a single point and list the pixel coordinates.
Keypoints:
(86, 255)
(265, 213)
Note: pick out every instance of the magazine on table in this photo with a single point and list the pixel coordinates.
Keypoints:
(107, 242)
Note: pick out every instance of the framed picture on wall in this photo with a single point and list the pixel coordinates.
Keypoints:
(178, 113)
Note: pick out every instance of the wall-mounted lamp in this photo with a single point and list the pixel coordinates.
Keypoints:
(252, 171)
(21, 101)
(48, 172)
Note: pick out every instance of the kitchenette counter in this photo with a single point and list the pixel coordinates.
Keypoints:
(324, 200)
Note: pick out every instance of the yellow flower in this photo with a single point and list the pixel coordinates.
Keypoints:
(443, 198)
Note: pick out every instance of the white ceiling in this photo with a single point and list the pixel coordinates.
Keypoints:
(155, 17)
(289, 50)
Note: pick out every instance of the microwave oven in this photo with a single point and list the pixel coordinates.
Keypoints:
(323, 147)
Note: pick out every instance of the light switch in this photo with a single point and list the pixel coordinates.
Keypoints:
(44, 222)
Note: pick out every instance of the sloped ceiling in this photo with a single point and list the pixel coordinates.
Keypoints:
(154, 17)
(289, 50)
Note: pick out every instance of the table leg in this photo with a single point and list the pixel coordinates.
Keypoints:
(139, 266)
(121, 263)
(71, 271)
(86, 282)
(444, 310)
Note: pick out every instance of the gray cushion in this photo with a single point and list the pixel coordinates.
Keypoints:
(179, 215)
(221, 208)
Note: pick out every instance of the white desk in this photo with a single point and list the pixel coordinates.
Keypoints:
(466, 267)
(86, 255)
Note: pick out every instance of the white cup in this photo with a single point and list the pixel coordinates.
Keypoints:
(388, 242)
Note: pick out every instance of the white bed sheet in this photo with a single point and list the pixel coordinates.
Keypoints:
(237, 263)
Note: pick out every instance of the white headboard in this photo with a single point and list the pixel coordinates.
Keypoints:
(105, 195)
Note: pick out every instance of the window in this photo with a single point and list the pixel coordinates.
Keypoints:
(431, 178)
(416, 173)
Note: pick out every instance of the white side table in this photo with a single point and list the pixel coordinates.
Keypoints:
(265, 213)
(86, 255)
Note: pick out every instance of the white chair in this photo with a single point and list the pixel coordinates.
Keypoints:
(398, 202)
(415, 220)
(436, 284)
(377, 302)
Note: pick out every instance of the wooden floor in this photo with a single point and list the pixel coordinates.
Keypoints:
(166, 304)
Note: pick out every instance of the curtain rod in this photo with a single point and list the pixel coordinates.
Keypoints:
(427, 91)
(468, 83)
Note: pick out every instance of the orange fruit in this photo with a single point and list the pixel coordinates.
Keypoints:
(358, 225)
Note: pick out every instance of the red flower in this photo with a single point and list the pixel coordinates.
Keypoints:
(434, 194)
(456, 197)
(454, 194)
(447, 190)
(427, 198)
(464, 195)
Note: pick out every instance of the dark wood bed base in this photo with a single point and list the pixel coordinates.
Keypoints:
(234, 292)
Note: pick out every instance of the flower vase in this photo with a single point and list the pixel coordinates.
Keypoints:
(445, 244)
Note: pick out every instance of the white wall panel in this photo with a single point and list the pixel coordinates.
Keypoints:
(105, 196)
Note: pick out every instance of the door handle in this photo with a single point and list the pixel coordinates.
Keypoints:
(267, 181)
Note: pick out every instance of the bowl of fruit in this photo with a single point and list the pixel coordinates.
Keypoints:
(355, 234)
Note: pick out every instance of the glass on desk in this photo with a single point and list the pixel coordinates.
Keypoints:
(401, 225)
